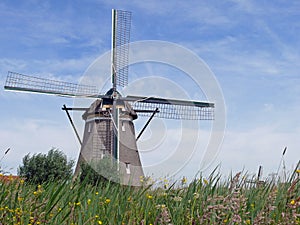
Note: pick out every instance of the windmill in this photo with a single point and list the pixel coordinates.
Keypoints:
(109, 128)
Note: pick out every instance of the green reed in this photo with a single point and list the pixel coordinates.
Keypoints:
(237, 200)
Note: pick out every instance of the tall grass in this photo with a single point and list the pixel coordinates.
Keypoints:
(202, 201)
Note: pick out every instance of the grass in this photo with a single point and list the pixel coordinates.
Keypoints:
(203, 201)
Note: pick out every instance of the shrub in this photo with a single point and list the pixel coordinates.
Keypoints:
(99, 171)
(41, 168)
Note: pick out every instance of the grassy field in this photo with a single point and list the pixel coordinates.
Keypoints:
(203, 201)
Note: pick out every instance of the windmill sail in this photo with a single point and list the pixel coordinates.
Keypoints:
(109, 121)
(121, 21)
(20, 82)
(172, 108)
(120, 47)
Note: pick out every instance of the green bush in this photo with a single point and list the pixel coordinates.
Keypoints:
(99, 171)
(41, 168)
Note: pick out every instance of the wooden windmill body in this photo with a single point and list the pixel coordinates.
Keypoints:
(99, 136)
(109, 121)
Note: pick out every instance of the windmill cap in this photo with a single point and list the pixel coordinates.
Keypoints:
(111, 91)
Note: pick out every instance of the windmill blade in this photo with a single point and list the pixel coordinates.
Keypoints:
(20, 82)
(120, 47)
(172, 108)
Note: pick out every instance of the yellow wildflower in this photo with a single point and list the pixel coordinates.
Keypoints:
(35, 193)
(141, 179)
(149, 196)
(248, 221)
(184, 180)
(107, 200)
(89, 201)
(160, 206)
(22, 181)
(97, 193)
(297, 171)
(77, 203)
(292, 202)
(205, 181)
(100, 222)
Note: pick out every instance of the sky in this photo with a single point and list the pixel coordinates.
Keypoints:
(251, 47)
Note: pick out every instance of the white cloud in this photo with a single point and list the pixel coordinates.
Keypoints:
(251, 46)
(259, 146)
(174, 151)
(32, 136)
(58, 69)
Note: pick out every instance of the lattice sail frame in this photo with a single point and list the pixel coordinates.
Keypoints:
(168, 108)
(180, 112)
(21, 82)
(120, 47)
(172, 108)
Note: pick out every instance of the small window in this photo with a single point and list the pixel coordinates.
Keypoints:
(127, 168)
(89, 127)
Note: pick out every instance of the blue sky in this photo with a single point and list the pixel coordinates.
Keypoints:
(252, 47)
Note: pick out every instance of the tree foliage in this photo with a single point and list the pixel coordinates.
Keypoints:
(40, 167)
